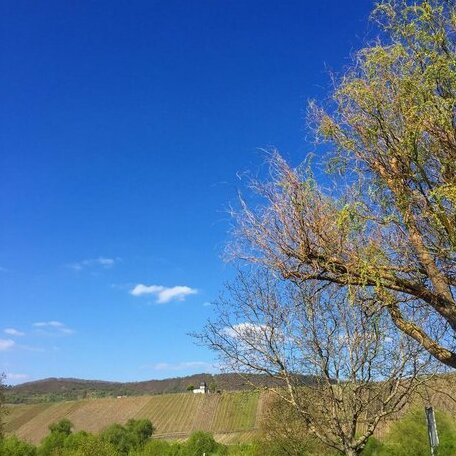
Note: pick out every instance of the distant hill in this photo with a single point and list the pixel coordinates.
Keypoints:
(64, 389)
(231, 416)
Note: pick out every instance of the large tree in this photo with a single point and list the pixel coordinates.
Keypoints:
(389, 225)
(341, 369)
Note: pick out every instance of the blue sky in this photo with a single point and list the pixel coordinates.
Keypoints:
(123, 125)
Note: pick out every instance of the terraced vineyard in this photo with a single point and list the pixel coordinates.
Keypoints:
(232, 417)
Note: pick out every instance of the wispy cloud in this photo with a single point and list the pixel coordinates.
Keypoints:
(13, 332)
(6, 344)
(102, 262)
(164, 294)
(206, 304)
(183, 366)
(53, 327)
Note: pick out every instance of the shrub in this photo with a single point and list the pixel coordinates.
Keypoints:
(203, 442)
(154, 448)
(63, 426)
(408, 437)
(117, 436)
(91, 446)
(76, 440)
(140, 431)
(51, 444)
(55, 441)
(12, 446)
(132, 436)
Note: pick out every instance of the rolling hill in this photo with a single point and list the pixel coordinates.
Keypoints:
(58, 389)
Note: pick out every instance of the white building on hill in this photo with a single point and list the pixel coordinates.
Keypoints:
(203, 389)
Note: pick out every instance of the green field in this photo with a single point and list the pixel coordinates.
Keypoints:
(232, 417)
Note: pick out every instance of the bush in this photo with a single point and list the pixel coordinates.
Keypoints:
(63, 427)
(76, 440)
(408, 437)
(154, 448)
(132, 436)
(51, 444)
(12, 446)
(54, 442)
(140, 432)
(117, 436)
(91, 446)
(203, 442)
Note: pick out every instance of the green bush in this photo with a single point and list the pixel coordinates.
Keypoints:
(12, 446)
(63, 426)
(76, 440)
(203, 442)
(140, 432)
(54, 443)
(408, 437)
(90, 446)
(155, 448)
(51, 444)
(117, 436)
(132, 436)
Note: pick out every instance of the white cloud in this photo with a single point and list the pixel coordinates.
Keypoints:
(93, 262)
(163, 294)
(140, 289)
(247, 331)
(184, 365)
(6, 344)
(13, 332)
(53, 326)
(206, 304)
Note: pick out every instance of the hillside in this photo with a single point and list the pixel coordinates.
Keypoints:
(231, 417)
(58, 389)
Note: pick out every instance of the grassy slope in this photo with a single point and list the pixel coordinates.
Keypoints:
(232, 417)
